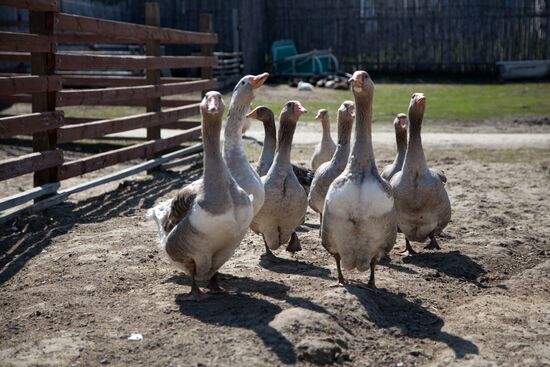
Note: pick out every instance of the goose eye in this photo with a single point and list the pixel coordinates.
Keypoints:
(242, 83)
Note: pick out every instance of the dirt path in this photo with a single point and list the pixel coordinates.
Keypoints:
(79, 280)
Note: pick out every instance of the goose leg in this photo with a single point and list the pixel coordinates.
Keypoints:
(408, 251)
(371, 283)
(294, 244)
(341, 279)
(268, 254)
(433, 245)
(196, 293)
(214, 284)
(320, 224)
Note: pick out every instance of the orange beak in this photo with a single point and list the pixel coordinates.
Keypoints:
(253, 114)
(299, 109)
(258, 80)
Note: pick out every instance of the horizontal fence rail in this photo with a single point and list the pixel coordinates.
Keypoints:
(131, 32)
(119, 94)
(63, 74)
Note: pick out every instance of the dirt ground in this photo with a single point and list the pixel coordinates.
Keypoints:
(78, 280)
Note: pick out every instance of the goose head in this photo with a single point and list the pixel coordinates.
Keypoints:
(322, 115)
(261, 113)
(212, 105)
(347, 110)
(292, 111)
(361, 84)
(243, 94)
(417, 106)
(401, 123)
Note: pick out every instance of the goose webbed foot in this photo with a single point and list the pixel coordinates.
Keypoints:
(196, 293)
(269, 256)
(214, 284)
(433, 245)
(294, 244)
(408, 251)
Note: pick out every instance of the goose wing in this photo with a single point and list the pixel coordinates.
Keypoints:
(180, 206)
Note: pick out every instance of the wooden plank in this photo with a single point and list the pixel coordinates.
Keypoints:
(67, 61)
(38, 5)
(64, 194)
(18, 98)
(30, 123)
(26, 98)
(22, 198)
(152, 48)
(15, 56)
(23, 42)
(98, 161)
(109, 95)
(42, 64)
(29, 84)
(112, 81)
(113, 30)
(28, 163)
(101, 128)
(181, 125)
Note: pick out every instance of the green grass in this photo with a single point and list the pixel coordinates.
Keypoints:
(445, 102)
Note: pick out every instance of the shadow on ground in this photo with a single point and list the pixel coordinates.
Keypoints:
(296, 267)
(240, 310)
(389, 310)
(25, 238)
(453, 264)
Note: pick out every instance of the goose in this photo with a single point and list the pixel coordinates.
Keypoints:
(401, 124)
(201, 227)
(328, 171)
(286, 200)
(422, 204)
(326, 148)
(359, 221)
(265, 115)
(233, 151)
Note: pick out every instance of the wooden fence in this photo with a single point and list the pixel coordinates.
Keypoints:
(50, 88)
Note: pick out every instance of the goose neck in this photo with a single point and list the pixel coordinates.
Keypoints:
(362, 155)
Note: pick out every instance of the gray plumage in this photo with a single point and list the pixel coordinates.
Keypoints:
(328, 171)
(359, 222)
(286, 201)
(422, 203)
(400, 124)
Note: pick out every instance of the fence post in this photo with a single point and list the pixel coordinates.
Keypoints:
(43, 63)
(152, 48)
(206, 50)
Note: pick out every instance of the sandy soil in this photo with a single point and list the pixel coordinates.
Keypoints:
(77, 281)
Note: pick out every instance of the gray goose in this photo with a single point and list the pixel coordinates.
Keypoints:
(265, 115)
(326, 148)
(328, 171)
(203, 225)
(422, 203)
(233, 151)
(286, 200)
(401, 124)
(359, 221)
